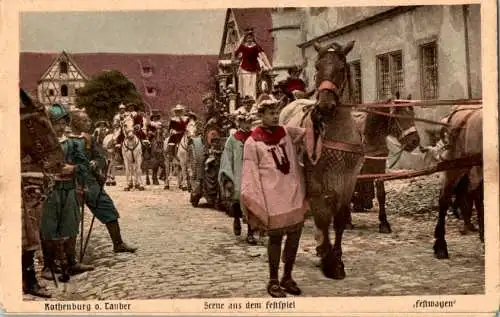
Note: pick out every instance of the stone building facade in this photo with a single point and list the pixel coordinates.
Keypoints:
(426, 52)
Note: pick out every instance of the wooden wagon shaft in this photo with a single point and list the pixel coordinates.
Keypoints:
(463, 162)
(403, 117)
(414, 103)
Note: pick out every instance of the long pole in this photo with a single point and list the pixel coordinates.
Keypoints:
(465, 11)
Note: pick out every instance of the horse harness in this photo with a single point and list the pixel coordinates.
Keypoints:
(132, 149)
(453, 131)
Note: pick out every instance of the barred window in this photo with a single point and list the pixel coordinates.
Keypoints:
(355, 68)
(429, 71)
(390, 75)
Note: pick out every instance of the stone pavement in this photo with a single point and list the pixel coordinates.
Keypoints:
(187, 252)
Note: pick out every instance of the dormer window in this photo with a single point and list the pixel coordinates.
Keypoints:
(151, 91)
(63, 67)
(147, 71)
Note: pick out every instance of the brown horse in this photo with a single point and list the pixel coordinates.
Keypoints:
(465, 139)
(335, 154)
(375, 129)
(38, 139)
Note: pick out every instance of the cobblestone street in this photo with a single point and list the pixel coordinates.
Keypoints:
(187, 252)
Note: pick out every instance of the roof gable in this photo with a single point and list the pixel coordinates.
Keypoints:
(63, 67)
(239, 19)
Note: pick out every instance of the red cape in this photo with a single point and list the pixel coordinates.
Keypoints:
(260, 134)
(242, 136)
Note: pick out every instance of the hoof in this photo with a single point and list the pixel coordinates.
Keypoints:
(384, 228)
(195, 201)
(440, 249)
(357, 208)
(468, 228)
(332, 266)
(155, 182)
(126, 189)
(166, 187)
(349, 226)
(148, 182)
(368, 204)
(141, 188)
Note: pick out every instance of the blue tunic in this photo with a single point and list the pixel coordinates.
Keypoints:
(61, 209)
(99, 203)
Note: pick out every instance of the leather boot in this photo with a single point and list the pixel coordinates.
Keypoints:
(116, 237)
(250, 236)
(74, 267)
(30, 282)
(47, 261)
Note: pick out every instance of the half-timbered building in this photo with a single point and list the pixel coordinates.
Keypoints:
(163, 80)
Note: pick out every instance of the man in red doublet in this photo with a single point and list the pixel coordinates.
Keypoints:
(177, 126)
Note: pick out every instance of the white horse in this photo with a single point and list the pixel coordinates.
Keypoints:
(180, 158)
(108, 144)
(132, 155)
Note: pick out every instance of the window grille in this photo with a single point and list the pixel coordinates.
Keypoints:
(429, 71)
(355, 68)
(390, 74)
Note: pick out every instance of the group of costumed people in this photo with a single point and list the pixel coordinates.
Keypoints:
(80, 181)
(259, 174)
(261, 177)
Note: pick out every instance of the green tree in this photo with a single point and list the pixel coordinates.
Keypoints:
(104, 92)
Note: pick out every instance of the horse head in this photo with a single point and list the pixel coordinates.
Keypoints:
(38, 138)
(332, 74)
(128, 128)
(403, 127)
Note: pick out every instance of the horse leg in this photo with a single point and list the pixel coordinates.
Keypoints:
(465, 201)
(112, 164)
(138, 174)
(440, 247)
(478, 196)
(384, 226)
(154, 170)
(183, 176)
(322, 219)
(127, 173)
(167, 171)
(357, 198)
(335, 255)
(148, 182)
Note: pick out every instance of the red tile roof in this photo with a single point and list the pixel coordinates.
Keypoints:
(177, 78)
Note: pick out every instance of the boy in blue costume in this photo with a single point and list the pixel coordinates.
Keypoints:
(61, 210)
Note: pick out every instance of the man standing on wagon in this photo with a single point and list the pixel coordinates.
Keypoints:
(273, 191)
(252, 56)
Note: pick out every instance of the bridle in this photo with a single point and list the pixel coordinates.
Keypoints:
(329, 85)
